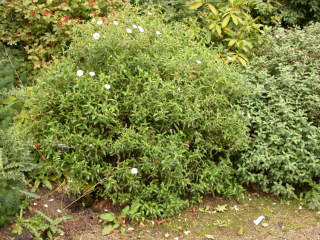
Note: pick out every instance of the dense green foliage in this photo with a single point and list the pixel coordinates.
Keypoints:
(14, 73)
(299, 12)
(156, 125)
(14, 162)
(284, 156)
(44, 27)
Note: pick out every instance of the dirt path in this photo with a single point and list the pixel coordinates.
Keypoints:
(216, 219)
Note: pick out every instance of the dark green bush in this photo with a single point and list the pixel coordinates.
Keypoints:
(15, 160)
(284, 108)
(299, 12)
(158, 104)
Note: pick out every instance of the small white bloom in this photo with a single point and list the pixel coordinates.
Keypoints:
(134, 170)
(158, 33)
(277, 36)
(198, 62)
(140, 29)
(93, 20)
(107, 86)
(115, 22)
(186, 232)
(99, 22)
(129, 30)
(96, 36)
(149, 13)
(134, 26)
(59, 210)
(9, 43)
(229, 58)
(79, 73)
(45, 205)
(92, 74)
(61, 234)
(35, 204)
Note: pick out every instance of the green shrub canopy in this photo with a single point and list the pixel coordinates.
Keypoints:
(142, 109)
(284, 155)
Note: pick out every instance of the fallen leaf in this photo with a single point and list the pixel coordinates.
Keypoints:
(158, 222)
(240, 231)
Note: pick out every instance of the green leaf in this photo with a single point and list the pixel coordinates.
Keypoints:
(108, 217)
(213, 9)
(107, 229)
(225, 21)
(232, 42)
(196, 4)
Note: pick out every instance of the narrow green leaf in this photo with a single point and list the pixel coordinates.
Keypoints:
(225, 21)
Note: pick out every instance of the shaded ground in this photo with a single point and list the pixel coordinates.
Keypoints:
(216, 219)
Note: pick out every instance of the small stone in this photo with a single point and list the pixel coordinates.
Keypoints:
(208, 236)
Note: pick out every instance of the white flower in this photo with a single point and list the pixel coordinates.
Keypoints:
(149, 13)
(99, 22)
(134, 170)
(115, 22)
(229, 58)
(96, 36)
(129, 30)
(158, 33)
(141, 29)
(198, 62)
(107, 86)
(92, 74)
(134, 26)
(93, 20)
(79, 73)
(277, 36)
(59, 211)
(46, 205)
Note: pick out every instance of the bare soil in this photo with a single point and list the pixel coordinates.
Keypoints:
(216, 218)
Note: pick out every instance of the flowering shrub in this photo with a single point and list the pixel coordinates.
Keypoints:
(284, 156)
(44, 27)
(140, 112)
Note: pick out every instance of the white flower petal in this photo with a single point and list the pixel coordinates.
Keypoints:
(229, 58)
(158, 33)
(198, 62)
(93, 20)
(92, 74)
(115, 22)
(96, 36)
(140, 29)
(128, 30)
(99, 22)
(134, 26)
(79, 73)
(134, 170)
(149, 13)
(107, 86)
(45, 205)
